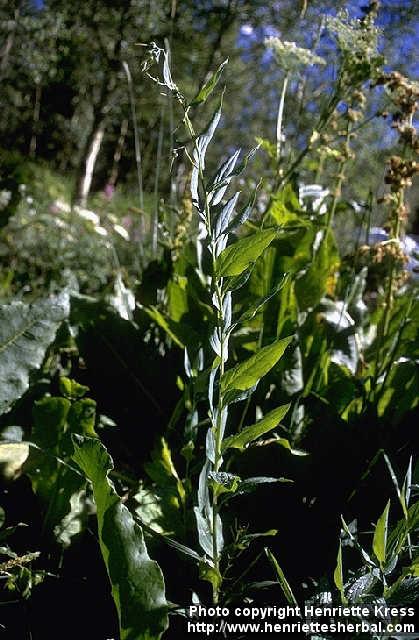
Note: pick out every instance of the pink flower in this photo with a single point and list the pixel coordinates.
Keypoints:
(109, 190)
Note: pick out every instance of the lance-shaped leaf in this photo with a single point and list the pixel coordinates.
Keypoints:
(205, 138)
(238, 256)
(26, 332)
(250, 313)
(137, 581)
(246, 374)
(225, 215)
(379, 543)
(250, 484)
(281, 578)
(200, 149)
(225, 173)
(245, 213)
(266, 424)
(219, 185)
(209, 86)
(338, 576)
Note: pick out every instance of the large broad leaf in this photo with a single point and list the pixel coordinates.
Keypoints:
(137, 581)
(60, 487)
(26, 331)
(266, 424)
(319, 278)
(238, 256)
(246, 374)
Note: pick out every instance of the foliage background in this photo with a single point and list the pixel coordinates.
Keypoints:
(98, 234)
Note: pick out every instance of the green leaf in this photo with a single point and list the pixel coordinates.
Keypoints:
(72, 389)
(26, 332)
(284, 442)
(379, 543)
(137, 581)
(251, 484)
(204, 532)
(81, 417)
(169, 490)
(223, 482)
(209, 86)
(245, 213)
(167, 324)
(250, 312)
(246, 374)
(338, 576)
(238, 256)
(399, 533)
(286, 206)
(267, 423)
(59, 487)
(318, 278)
(281, 578)
(210, 574)
(177, 298)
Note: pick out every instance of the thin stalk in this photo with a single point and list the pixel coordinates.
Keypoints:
(280, 119)
(395, 231)
(155, 222)
(167, 43)
(137, 145)
(339, 182)
(35, 120)
(322, 123)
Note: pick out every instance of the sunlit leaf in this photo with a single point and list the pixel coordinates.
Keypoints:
(282, 579)
(338, 576)
(209, 86)
(379, 544)
(248, 434)
(238, 256)
(246, 374)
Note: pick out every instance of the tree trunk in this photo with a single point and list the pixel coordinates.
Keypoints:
(85, 178)
(91, 148)
(35, 123)
(7, 47)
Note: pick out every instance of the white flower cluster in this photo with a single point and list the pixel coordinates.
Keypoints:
(353, 35)
(289, 56)
(94, 218)
(5, 197)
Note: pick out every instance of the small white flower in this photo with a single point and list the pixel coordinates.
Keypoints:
(291, 57)
(101, 231)
(87, 215)
(5, 197)
(120, 230)
(61, 206)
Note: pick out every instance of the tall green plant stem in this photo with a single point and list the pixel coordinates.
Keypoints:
(216, 284)
(339, 181)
